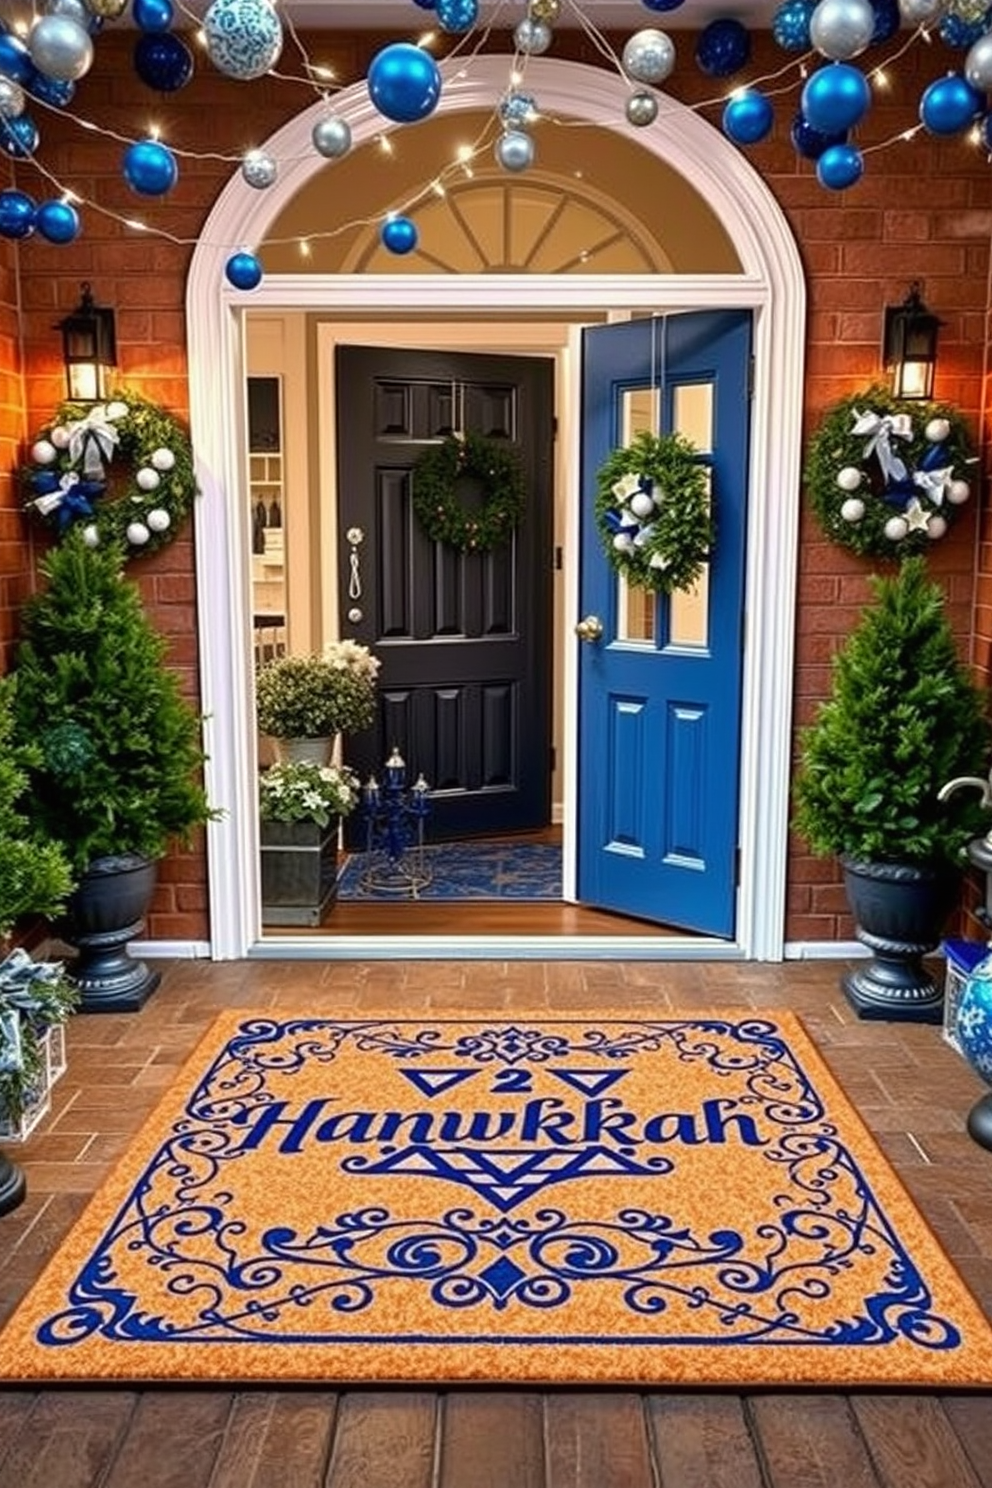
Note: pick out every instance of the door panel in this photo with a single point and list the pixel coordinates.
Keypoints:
(464, 638)
(660, 690)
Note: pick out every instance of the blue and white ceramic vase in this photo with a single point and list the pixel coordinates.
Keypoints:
(974, 1031)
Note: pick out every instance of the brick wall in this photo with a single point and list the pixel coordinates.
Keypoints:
(922, 211)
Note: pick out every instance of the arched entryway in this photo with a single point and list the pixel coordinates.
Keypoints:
(770, 284)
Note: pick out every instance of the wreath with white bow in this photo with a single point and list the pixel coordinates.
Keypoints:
(886, 477)
(71, 480)
(653, 512)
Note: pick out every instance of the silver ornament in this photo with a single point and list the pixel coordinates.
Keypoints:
(840, 29)
(978, 63)
(918, 12)
(11, 98)
(641, 109)
(649, 56)
(532, 37)
(60, 48)
(258, 169)
(514, 150)
(76, 11)
(331, 137)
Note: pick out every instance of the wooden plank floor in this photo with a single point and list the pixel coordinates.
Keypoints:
(911, 1089)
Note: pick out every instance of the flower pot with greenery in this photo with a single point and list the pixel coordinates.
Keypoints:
(315, 698)
(35, 879)
(117, 774)
(300, 806)
(904, 717)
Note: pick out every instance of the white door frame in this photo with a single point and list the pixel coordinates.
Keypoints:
(771, 283)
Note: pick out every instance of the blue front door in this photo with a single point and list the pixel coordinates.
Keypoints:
(660, 685)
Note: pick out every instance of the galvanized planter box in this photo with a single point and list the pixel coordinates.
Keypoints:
(299, 871)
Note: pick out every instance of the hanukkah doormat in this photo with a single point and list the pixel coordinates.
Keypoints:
(601, 1198)
(469, 870)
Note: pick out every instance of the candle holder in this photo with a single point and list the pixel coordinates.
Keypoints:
(395, 817)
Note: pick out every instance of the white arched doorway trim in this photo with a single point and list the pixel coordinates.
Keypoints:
(771, 283)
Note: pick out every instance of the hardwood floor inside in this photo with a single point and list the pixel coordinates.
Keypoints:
(910, 1087)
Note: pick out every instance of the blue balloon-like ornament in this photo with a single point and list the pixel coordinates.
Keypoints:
(662, 4)
(425, 4)
(150, 168)
(887, 20)
(153, 15)
(56, 92)
(810, 143)
(19, 137)
(17, 211)
(835, 98)
(840, 166)
(748, 118)
(955, 31)
(243, 270)
(790, 25)
(457, 16)
(723, 47)
(404, 82)
(15, 59)
(950, 105)
(57, 221)
(164, 63)
(399, 235)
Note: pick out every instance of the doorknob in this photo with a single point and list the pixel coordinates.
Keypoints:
(589, 629)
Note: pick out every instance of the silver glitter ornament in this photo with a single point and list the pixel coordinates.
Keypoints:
(532, 37)
(649, 56)
(641, 109)
(258, 169)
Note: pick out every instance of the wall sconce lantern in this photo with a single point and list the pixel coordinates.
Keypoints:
(89, 349)
(910, 346)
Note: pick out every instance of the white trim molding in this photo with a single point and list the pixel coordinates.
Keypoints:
(770, 282)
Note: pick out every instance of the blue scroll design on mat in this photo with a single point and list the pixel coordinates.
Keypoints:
(214, 1276)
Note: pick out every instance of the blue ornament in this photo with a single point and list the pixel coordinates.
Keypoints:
(243, 270)
(973, 1026)
(457, 16)
(810, 142)
(57, 221)
(404, 83)
(987, 132)
(517, 110)
(723, 47)
(15, 59)
(955, 31)
(790, 25)
(839, 166)
(887, 20)
(662, 4)
(150, 168)
(17, 211)
(425, 4)
(56, 92)
(950, 105)
(152, 15)
(836, 97)
(399, 235)
(164, 63)
(748, 118)
(19, 137)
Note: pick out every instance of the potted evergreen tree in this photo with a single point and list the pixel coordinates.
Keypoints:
(117, 774)
(904, 717)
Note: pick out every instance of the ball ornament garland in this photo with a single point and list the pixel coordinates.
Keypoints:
(653, 512)
(71, 479)
(887, 476)
(492, 463)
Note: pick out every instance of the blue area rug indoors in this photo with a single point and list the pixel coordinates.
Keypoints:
(473, 870)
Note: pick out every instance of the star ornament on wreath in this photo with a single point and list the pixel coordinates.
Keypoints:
(887, 477)
(653, 512)
(72, 479)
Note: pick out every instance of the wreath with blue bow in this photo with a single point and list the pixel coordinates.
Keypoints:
(887, 476)
(121, 470)
(653, 512)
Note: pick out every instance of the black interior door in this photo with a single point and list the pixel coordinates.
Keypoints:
(464, 639)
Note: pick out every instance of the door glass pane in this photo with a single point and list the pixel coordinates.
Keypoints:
(692, 415)
(639, 413)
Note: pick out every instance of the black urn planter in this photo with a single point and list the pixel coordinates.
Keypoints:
(12, 1185)
(900, 912)
(104, 913)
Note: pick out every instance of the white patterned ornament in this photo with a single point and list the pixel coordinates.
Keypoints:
(244, 37)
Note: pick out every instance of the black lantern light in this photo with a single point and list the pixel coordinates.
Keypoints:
(89, 349)
(910, 346)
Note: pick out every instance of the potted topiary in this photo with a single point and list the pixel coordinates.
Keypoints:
(904, 717)
(116, 777)
(301, 804)
(304, 702)
(34, 880)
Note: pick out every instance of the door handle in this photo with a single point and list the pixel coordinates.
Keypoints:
(589, 629)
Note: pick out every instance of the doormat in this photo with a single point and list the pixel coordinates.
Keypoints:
(670, 1201)
(471, 870)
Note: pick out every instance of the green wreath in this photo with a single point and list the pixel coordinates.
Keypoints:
(887, 476)
(436, 475)
(70, 481)
(653, 512)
